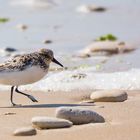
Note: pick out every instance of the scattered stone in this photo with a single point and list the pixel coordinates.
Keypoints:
(47, 41)
(22, 27)
(83, 55)
(50, 122)
(109, 96)
(106, 47)
(25, 131)
(9, 113)
(78, 76)
(90, 8)
(78, 115)
(9, 49)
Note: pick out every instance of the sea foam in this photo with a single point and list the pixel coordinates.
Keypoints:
(86, 78)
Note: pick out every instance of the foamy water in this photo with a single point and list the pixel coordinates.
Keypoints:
(64, 80)
(70, 32)
(90, 79)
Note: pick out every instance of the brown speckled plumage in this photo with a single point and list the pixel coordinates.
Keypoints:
(21, 62)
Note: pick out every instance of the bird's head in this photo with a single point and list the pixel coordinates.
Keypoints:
(49, 57)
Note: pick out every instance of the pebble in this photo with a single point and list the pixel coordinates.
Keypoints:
(90, 8)
(9, 113)
(79, 76)
(78, 115)
(43, 122)
(47, 41)
(109, 96)
(10, 49)
(24, 131)
(22, 27)
(105, 47)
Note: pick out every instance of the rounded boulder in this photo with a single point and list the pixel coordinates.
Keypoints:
(109, 96)
(78, 115)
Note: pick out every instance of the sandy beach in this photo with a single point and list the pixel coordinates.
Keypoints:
(97, 42)
(121, 118)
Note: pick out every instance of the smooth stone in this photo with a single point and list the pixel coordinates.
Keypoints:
(25, 131)
(47, 41)
(9, 49)
(78, 115)
(22, 27)
(106, 47)
(90, 8)
(44, 122)
(109, 96)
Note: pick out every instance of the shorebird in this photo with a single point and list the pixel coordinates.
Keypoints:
(26, 69)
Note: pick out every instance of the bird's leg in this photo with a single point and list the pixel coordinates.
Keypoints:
(27, 95)
(12, 89)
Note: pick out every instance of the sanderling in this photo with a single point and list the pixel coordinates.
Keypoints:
(26, 69)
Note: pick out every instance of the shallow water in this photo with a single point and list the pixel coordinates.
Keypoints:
(70, 31)
(85, 79)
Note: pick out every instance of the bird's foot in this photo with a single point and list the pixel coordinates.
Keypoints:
(16, 105)
(32, 98)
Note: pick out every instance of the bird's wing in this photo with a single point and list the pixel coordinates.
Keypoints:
(17, 63)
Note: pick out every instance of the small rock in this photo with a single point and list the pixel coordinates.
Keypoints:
(47, 41)
(78, 115)
(105, 47)
(9, 49)
(25, 131)
(50, 122)
(79, 76)
(109, 96)
(9, 113)
(90, 8)
(83, 55)
(22, 27)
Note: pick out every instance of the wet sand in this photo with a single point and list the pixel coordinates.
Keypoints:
(121, 119)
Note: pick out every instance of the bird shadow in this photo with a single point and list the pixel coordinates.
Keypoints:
(48, 105)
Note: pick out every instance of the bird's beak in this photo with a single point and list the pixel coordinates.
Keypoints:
(55, 61)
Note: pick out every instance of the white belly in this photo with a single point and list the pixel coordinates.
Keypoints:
(27, 76)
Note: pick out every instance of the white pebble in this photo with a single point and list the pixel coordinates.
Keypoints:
(24, 131)
(44, 122)
(109, 96)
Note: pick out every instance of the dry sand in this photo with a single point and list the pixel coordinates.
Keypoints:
(122, 119)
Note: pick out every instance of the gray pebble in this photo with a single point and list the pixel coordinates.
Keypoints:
(78, 115)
